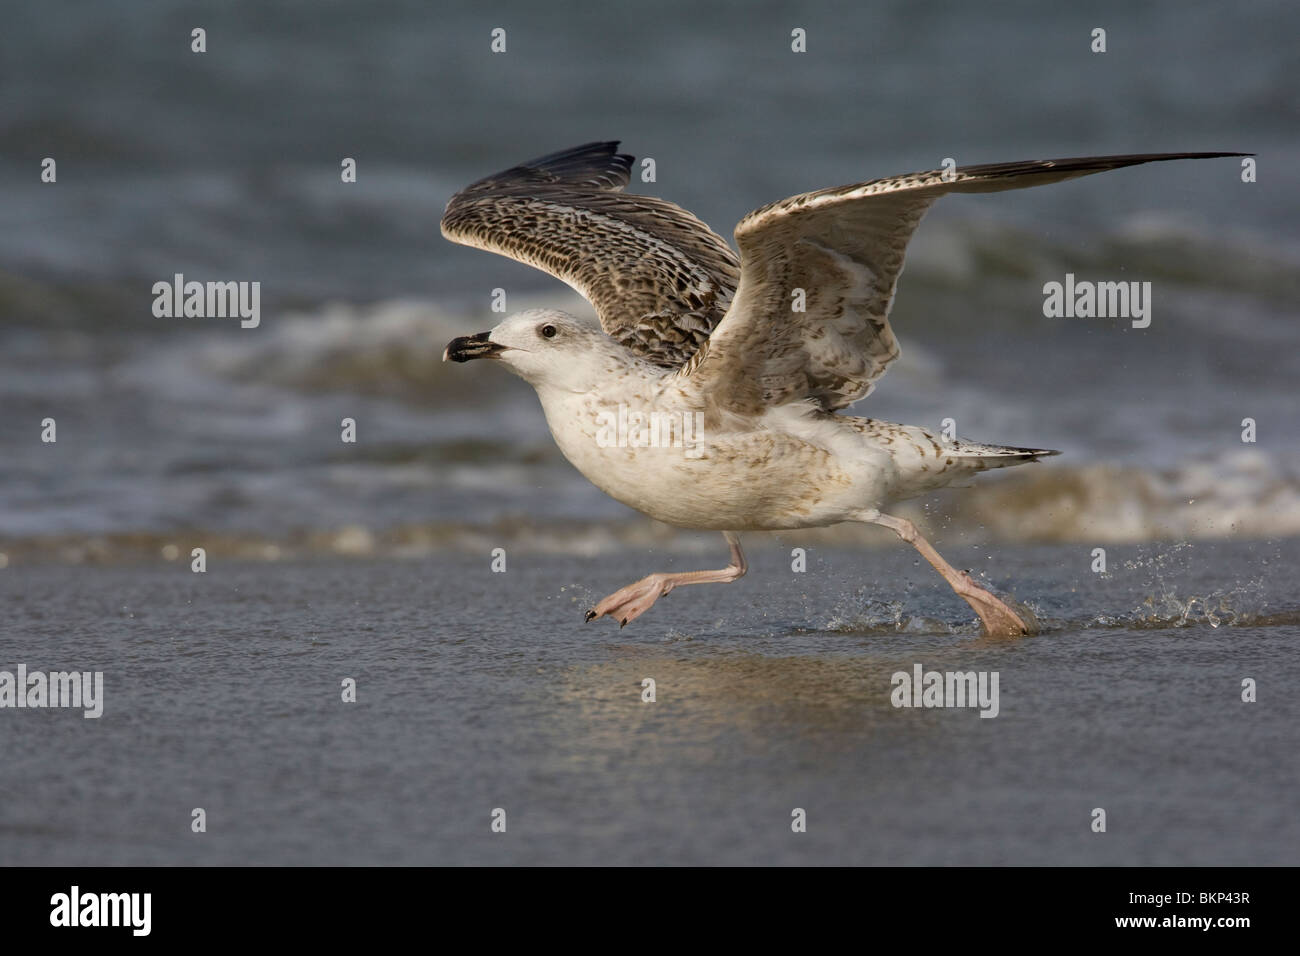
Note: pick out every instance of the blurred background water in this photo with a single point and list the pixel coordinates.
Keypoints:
(225, 166)
(370, 560)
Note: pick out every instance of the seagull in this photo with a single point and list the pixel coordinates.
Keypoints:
(710, 397)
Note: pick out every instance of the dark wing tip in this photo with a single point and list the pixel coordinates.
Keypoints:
(596, 164)
(1081, 165)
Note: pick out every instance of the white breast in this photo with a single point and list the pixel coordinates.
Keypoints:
(789, 472)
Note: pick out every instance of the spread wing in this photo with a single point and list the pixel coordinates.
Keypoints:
(841, 251)
(660, 279)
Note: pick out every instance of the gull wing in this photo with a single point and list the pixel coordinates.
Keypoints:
(660, 279)
(843, 248)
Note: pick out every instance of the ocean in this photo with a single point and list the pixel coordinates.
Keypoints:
(372, 560)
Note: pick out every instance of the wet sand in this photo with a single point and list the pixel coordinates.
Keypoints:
(478, 691)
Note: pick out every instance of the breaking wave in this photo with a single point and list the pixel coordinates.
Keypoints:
(1242, 496)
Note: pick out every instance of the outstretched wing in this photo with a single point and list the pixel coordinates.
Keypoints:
(660, 279)
(841, 251)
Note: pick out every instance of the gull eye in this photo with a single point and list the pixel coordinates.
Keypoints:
(548, 331)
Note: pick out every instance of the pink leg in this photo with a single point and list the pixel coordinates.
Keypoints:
(629, 603)
(999, 620)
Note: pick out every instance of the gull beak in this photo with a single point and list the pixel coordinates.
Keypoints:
(471, 347)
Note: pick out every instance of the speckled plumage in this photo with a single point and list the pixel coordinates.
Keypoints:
(660, 279)
(761, 351)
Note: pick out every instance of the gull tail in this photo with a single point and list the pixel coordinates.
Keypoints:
(923, 461)
(978, 456)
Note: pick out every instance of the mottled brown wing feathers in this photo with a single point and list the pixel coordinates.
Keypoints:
(837, 253)
(659, 279)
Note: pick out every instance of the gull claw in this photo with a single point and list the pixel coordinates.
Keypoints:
(627, 604)
(998, 618)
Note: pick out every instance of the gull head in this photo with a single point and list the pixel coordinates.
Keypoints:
(544, 347)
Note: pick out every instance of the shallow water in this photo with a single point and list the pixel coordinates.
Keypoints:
(371, 560)
(479, 691)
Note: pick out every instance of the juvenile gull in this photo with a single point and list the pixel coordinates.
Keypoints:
(743, 389)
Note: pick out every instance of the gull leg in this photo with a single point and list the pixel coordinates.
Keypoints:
(999, 620)
(629, 603)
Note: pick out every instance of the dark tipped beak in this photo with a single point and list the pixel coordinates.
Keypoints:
(471, 347)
